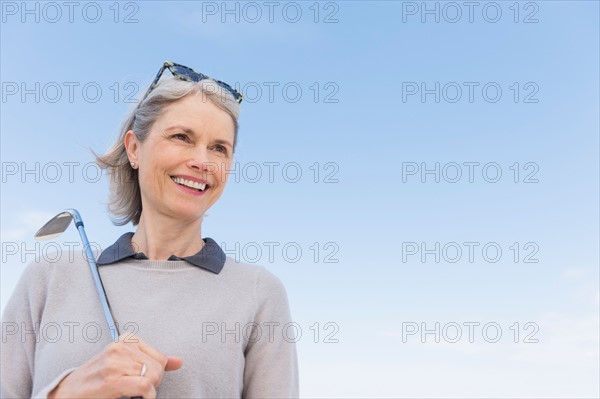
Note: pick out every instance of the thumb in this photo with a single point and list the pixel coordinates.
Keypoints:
(173, 363)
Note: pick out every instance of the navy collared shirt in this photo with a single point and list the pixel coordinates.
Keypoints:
(211, 257)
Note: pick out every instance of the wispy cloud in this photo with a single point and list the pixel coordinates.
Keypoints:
(27, 223)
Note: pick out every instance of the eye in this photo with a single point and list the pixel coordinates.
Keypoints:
(181, 136)
(221, 149)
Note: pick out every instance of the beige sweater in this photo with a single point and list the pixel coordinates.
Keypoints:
(229, 328)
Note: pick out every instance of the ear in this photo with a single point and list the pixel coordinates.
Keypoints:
(131, 146)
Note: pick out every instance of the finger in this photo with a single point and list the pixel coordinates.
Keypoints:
(150, 351)
(131, 368)
(133, 341)
(129, 338)
(140, 369)
(129, 350)
(154, 370)
(130, 386)
(173, 363)
(123, 359)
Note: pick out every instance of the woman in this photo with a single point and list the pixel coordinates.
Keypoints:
(194, 323)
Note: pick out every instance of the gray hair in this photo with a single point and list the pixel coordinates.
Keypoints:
(125, 202)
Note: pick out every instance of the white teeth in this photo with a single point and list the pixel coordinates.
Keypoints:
(189, 183)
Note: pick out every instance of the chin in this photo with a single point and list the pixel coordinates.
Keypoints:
(188, 214)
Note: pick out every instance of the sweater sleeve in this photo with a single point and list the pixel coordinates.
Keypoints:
(20, 331)
(271, 369)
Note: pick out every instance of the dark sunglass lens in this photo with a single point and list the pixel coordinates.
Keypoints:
(187, 73)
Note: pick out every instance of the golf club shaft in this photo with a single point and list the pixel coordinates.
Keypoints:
(99, 286)
(94, 269)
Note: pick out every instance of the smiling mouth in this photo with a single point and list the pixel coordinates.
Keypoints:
(190, 184)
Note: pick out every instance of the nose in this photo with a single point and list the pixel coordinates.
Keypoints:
(200, 159)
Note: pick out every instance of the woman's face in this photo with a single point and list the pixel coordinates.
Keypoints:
(191, 144)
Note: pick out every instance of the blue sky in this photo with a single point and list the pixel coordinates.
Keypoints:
(342, 105)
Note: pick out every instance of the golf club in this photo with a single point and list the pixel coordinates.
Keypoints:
(55, 227)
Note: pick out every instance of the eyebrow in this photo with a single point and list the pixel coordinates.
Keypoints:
(191, 131)
(185, 129)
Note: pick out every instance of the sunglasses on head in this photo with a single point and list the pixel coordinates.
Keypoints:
(188, 74)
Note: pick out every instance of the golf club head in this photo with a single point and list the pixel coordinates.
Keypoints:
(58, 224)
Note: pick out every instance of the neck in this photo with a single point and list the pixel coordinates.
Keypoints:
(160, 237)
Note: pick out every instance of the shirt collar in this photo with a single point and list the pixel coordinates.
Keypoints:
(211, 257)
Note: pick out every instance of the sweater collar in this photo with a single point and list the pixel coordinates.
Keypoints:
(211, 257)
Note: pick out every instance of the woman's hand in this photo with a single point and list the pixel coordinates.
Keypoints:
(115, 372)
